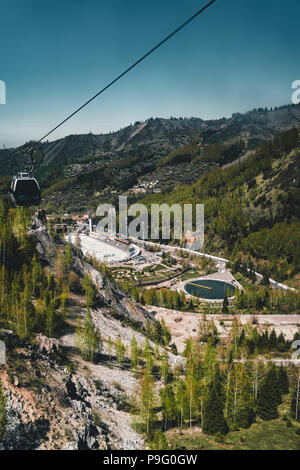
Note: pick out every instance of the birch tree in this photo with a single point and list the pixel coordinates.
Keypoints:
(295, 406)
(239, 401)
(147, 402)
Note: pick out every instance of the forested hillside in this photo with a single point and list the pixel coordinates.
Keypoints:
(32, 298)
(252, 208)
(79, 171)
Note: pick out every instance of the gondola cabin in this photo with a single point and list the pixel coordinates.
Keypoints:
(25, 190)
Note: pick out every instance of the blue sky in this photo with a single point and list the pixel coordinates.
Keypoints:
(55, 55)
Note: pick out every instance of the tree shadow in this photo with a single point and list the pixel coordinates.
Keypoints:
(27, 436)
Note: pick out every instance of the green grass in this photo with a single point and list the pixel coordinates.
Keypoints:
(158, 267)
(262, 435)
(190, 275)
(272, 435)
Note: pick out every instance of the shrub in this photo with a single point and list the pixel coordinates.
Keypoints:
(74, 282)
(219, 437)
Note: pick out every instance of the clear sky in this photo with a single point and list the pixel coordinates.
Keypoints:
(55, 54)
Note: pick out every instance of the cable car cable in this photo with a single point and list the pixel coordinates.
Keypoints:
(130, 68)
(125, 72)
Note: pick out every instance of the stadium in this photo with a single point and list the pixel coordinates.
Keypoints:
(104, 246)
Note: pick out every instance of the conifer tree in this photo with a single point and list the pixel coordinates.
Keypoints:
(87, 337)
(213, 415)
(265, 279)
(148, 355)
(63, 299)
(50, 315)
(67, 258)
(181, 400)
(275, 379)
(273, 339)
(209, 362)
(109, 347)
(164, 367)
(90, 293)
(147, 402)
(120, 350)
(2, 412)
(135, 353)
(3, 284)
(36, 273)
(268, 399)
(165, 333)
(159, 441)
(225, 303)
(167, 398)
(283, 381)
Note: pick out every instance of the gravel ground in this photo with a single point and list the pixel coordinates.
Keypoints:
(184, 325)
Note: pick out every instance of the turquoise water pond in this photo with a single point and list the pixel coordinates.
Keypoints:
(209, 289)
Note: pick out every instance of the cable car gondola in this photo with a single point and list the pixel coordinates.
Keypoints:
(25, 190)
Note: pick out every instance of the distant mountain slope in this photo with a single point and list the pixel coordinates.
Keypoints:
(81, 170)
(251, 209)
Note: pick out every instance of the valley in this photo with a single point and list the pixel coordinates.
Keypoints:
(106, 348)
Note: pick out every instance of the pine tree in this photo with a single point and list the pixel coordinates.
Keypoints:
(3, 284)
(36, 274)
(87, 337)
(166, 332)
(265, 279)
(209, 362)
(60, 265)
(90, 293)
(273, 339)
(2, 412)
(148, 355)
(120, 350)
(213, 415)
(225, 303)
(135, 353)
(67, 258)
(164, 367)
(268, 401)
(282, 344)
(147, 402)
(159, 441)
(283, 381)
(181, 400)
(63, 299)
(167, 398)
(275, 379)
(109, 347)
(50, 316)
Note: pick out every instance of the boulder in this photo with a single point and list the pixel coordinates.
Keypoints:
(46, 345)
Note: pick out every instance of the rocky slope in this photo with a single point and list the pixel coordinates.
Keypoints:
(57, 400)
(49, 407)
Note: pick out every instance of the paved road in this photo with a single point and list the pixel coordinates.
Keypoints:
(275, 284)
